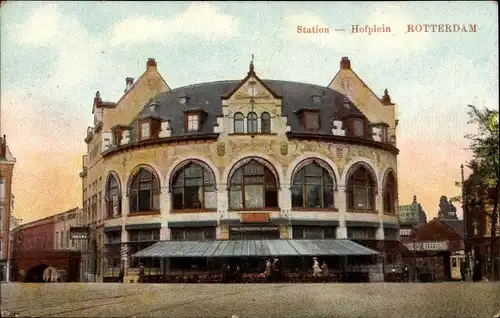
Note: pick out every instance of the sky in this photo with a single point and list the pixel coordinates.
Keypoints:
(55, 56)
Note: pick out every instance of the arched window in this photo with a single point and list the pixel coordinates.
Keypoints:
(239, 123)
(144, 192)
(390, 194)
(361, 190)
(194, 188)
(265, 123)
(253, 186)
(113, 197)
(252, 123)
(312, 187)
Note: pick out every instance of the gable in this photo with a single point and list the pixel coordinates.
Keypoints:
(244, 88)
(347, 82)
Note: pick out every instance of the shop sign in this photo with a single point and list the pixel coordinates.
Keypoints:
(428, 246)
(254, 217)
(254, 228)
(79, 233)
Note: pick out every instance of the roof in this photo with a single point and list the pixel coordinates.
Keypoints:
(238, 248)
(208, 96)
(389, 247)
(456, 225)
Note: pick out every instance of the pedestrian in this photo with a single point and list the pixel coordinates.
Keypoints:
(142, 276)
(121, 275)
(316, 268)
(268, 271)
(462, 270)
(406, 274)
(324, 269)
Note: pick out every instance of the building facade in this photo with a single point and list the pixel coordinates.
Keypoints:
(243, 159)
(7, 162)
(411, 216)
(38, 245)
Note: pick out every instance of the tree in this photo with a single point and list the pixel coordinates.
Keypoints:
(481, 189)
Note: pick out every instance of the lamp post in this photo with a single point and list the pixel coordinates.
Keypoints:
(466, 234)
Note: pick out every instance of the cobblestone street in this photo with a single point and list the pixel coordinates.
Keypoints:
(261, 300)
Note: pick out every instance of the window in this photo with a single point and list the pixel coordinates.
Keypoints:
(360, 233)
(358, 127)
(113, 197)
(391, 234)
(405, 232)
(139, 240)
(313, 232)
(384, 135)
(311, 120)
(253, 186)
(239, 123)
(193, 234)
(113, 237)
(144, 192)
(312, 187)
(265, 123)
(193, 122)
(252, 123)
(61, 240)
(144, 131)
(390, 194)
(360, 190)
(144, 235)
(117, 136)
(57, 240)
(194, 188)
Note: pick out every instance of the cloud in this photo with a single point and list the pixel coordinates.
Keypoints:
(77, 52)
(199, 19)
(380, 43)
(41, 27)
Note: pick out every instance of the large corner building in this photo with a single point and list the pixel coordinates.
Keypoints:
(238, 160)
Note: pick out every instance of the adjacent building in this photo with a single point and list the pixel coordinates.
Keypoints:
(43, 243)
(411, 216)
(7, 162)
(237, 159)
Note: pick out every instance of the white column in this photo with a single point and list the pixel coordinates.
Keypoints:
(165, 208)
(124, 250)
(379, 235)
(245, 128)
(341, 205)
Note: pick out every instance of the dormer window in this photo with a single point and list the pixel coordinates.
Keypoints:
(192, 120)
(144, 131)
(358, 128)
(346, 103)
(384, 134)
(316, 99)
(310, 120)
(183, 99)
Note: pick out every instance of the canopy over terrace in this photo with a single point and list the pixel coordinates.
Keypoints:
(259, 248)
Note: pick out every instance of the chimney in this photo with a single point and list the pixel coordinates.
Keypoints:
(345, 64)
(414, 198)
(151, 64)
(386, 98)
(129, 81)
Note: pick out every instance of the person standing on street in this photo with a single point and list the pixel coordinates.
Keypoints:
(142, 276)
(316, 268)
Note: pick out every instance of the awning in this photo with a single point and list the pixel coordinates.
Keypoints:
(241, 248)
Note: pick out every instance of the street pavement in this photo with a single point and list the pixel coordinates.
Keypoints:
(456, 299)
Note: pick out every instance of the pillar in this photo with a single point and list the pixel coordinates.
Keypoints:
(341, 204)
